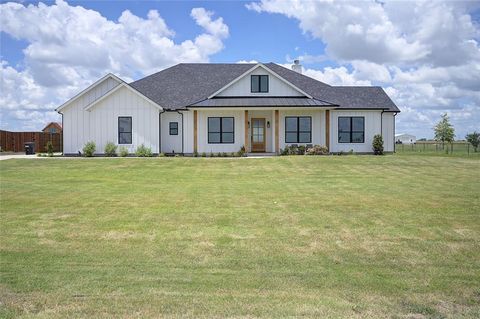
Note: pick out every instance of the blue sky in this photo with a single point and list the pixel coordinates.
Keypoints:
(426, 62)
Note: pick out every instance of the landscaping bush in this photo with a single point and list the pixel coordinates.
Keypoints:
(123, 151)
(377, 144)
(89, 149)
(219, 154)
(143, 151)
(110, 149)
(293, 150)
(161, 155)
(49, 148)
(242, 152)
(212, 154)
(204, 154)
(317, 150)
(195, 154)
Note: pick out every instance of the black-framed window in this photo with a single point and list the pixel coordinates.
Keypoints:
(351, 129)
(173, 127)
(298, 129)
(221, 130)
(124, 130)
(259, 83)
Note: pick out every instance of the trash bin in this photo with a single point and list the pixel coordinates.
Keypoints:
(29, 148)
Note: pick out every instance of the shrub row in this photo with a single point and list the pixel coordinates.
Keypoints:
(303, 150)
(111, 150)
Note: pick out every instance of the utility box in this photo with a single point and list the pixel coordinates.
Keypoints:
(29, 148)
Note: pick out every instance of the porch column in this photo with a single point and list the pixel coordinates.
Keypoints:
(327, 129)
(195, 128)
(246, 132)
(277, 129)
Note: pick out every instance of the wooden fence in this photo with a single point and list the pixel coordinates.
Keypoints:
(14, 141)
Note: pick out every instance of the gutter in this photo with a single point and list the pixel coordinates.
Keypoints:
(394, 144)
(63, 151)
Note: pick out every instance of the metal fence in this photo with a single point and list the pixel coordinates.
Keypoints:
(436, 147)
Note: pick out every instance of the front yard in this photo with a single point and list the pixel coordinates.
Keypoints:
(331, 237)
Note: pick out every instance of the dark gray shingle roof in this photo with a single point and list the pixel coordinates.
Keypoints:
(186, 84)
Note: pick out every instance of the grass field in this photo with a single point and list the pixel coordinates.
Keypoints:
(330, 237)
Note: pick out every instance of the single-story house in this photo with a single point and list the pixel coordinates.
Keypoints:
(53, 127)
(405, 138)
(209, 107)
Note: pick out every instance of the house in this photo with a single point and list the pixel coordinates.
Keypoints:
(405, 139)
(208, 107)
(53, 127)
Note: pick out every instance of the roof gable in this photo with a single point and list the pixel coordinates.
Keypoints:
(94, 91)
(295, 90)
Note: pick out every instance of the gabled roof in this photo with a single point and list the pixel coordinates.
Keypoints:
(55, 124)
(188, 84)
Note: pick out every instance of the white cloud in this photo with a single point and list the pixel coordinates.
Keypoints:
(69, 47)
(426, 53)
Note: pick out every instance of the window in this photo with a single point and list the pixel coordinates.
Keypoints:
(220, 130)
(52, 130)
(124, 130)
(259, 83)
(298, 129)
(173, 128)
(351, 129)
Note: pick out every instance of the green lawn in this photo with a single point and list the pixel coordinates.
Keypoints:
(331, 237)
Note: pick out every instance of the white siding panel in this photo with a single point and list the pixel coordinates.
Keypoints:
(204, 146)
(388, 132)
(372, 127)
(276, 86)
(188, 132)
(171, 143)
(101, 123)
(318, 125)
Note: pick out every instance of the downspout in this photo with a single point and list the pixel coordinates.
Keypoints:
(182, 129)
(394, 144)
(160, 131)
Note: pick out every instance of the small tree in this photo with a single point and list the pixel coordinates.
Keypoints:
(444, 131)
(377, 144)
(89, 149)
(474, 139)
(49, 148)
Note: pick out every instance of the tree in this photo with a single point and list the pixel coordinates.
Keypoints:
(444, 131)
(474, 139)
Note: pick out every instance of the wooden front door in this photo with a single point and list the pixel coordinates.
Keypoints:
(258, 135)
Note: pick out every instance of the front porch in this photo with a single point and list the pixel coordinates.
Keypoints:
(262, 131)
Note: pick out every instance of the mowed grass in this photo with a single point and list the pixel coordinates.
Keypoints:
(329, 237)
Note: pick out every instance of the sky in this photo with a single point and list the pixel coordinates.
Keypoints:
(425, 54)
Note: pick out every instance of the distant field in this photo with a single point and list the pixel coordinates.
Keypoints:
(324, 237)
(433, 148)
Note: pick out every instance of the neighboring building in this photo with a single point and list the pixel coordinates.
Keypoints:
(53, 127)
(208, 107)
(405, 139)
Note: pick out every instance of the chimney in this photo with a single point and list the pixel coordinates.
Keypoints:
(296, 66)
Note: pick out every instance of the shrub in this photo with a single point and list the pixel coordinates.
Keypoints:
(123, 151)
(377, 144)
(293, 150)
(89, 149)
(195, 154)
(231, 154)
(224, 154)
(204, 154)
(161, 155)
(110, 149)
(219, 154)
(143, 151)
(317, 150)
(49, 148)
(212, 154)
(242, 152)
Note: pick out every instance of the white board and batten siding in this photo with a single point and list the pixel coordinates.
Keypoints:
(171, 143)
(373, 125)
(100, 123)
(276, 87)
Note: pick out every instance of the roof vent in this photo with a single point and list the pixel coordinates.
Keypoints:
(296, 66)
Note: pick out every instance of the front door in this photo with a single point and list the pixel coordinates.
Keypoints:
(258, 135)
